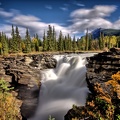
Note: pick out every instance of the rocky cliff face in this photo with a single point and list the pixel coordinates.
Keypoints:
(104, 84)
(23, 73)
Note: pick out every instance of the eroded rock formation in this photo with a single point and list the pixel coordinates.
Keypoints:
(103, 81)
(23, 73)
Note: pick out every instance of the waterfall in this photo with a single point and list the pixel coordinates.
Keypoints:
(62, 87)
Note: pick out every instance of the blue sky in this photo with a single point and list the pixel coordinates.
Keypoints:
(69, 16)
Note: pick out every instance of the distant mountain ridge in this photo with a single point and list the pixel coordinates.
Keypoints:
(109, 32)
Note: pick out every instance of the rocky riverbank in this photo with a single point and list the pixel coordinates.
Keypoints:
(23, 73)
(103, 101)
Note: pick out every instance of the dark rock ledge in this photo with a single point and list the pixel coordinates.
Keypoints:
(103, 103)
(23, 73)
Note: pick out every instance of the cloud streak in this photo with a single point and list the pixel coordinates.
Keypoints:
(64, 8)
(3, 13)
(49, 7)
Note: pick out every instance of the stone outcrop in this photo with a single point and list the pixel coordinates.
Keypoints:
(104, 84)
(101, 67)
(23, 73)
(44, 61)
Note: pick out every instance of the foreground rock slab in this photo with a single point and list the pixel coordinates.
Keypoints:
(23, 73)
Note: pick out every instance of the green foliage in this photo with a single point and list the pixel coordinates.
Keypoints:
(50, 38)
(4, 86)
(53, 42)
(8, 105)
(117, 117)
(87, 41)
(4, 44)
(102, 104)
(45, 46)
(74, 44)
(50, 118)
(60, 42)
(27, 42)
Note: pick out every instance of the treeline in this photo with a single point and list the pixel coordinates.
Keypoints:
(50, 42)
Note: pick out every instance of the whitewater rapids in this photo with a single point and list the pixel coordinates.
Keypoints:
(62, 87)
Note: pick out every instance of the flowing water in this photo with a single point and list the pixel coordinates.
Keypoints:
(62, 87)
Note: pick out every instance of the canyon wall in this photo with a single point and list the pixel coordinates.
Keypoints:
(103, 101)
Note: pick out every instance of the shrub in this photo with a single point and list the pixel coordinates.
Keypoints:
(9, 109)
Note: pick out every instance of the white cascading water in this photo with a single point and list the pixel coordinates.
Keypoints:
(62, 87)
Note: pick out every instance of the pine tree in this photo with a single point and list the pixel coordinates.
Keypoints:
(87, 40)
(49, 38)
(69, 43)
(37, 42)
(18, 40)
(90, 42)
(74, 47)
(13, 45)
(27, 42)
(44, 42)
(60, 42)
(54, 45)
(4, 44)
(65, 43)
(79, 44)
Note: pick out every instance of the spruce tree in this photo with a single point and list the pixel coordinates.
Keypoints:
(45, 47)
(27, 42)
(39, 40)
(49, 38)
(90, 42)
(4, 44)
(18, 40)
(54, 45)
(13, 45)
(87, 40)
(69, 43)
(79, 44)
(60, 42)
(74, 47)
(65, 43)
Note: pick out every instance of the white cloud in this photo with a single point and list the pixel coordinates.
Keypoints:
(34, 24)
(116, 24)
(25, 18)
(49, 7)
(78, 4)
(5, 14)
(64, 8)
(97, 11)
(92, 18)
